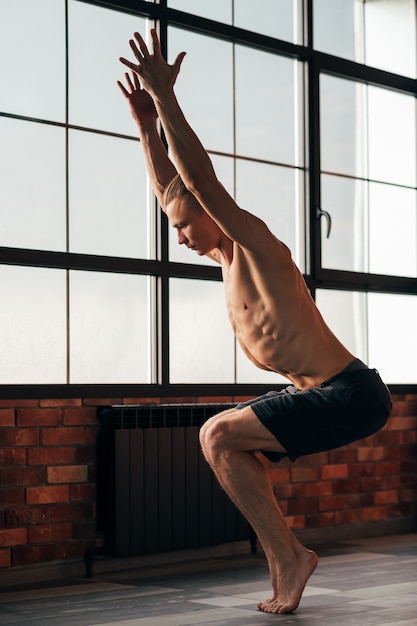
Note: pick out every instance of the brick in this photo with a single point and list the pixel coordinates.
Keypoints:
(386, 497)
(404, 407)
(46, 495)
(319, 489)
(320, 520)
(7, 418)
(12, 497)
(50, 456)
(332, 503)
(67, 474)
(387, 467)
(286, 491)
(359, 500)
(5, 558)
(329, 472)
(349, 516)
(342, 456)
(60, 402)
(279, 475)
(29, 554)
(19, 437)
(362, 469)
(82, 492)
(12, 537)
(370, 454)
(302, 506)
(375, 513)
(39, 417)
(63, 435)
(10, 457)
(47, 533)
(402, 423)
(22, 476)
(17, 403)
(80, 416)
(347, 485)
(73, 549)
(84, 455)
(305, 474)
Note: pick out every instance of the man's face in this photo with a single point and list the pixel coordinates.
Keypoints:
(194, 227)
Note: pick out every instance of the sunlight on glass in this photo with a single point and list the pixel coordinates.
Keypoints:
(32, 189)
(392, 136)
(392, 342)
(248, 373)
(282, 18)
(345, 199)
(97, 38)
(205, 90)
(379, 33)
(109, 328)
(107, 196)
(32, 58)
(219, 10)
(345, 313)
(33, 323)
(390, 36)
(392, 230)
(342, 126)
(201, 344)
(266, 110)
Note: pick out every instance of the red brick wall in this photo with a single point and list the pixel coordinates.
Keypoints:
(47, 465)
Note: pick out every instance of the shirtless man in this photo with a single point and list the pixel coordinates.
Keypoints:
(334, 398)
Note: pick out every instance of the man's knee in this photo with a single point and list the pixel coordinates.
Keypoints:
(214, 433)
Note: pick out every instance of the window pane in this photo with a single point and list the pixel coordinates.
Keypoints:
(33, 326)
(266, 110)
(390, 35)
(281, 22)
(32, 185)
(380, 33)
(204, 89)
(97, 38)
(392, 340)
(345, 313)
(392, 230)
(342, 126)
(274, 199)
(392, 137)
(345, 199)
(32, 58)
(109, 328)
(108, 196)
(180, 253)
(219, 10)
(201, 345)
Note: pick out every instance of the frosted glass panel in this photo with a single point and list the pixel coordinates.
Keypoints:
(109, 328)
(33, 326)
(379, 33)
(201, 345)
(342, 126)
(219, 10)
(108, 196)
(274, 18)
(32, 58)
(345, 199)
(274, 198)
(97, 38)
(266, 107)
(345, 313)
(204, 86)
(32, 185)
(392, 137)
(392, 336)
(248, 373)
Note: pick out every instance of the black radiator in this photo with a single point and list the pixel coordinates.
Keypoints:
(155, 491)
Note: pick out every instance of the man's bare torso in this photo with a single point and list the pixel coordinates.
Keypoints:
(275, 319)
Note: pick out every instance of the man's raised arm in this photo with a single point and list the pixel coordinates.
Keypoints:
(193, 163)
(160, 168)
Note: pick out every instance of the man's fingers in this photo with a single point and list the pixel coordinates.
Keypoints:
(129, 81)
(178, 61)
(142, 45)
(129, 64)
(155, 43)
(123, 89)
(136, 80)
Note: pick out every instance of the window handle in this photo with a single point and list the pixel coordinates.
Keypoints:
(319, 214)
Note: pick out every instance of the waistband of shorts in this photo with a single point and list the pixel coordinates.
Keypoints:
(353, 366)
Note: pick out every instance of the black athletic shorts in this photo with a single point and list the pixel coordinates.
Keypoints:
(349, 406)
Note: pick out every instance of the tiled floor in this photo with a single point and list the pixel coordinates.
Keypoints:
(367, 582)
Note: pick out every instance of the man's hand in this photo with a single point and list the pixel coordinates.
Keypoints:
(140, 102)
(156, 75)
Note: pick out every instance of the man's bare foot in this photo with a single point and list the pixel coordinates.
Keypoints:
(291, 584)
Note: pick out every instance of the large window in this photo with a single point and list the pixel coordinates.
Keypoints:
(308, 111)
